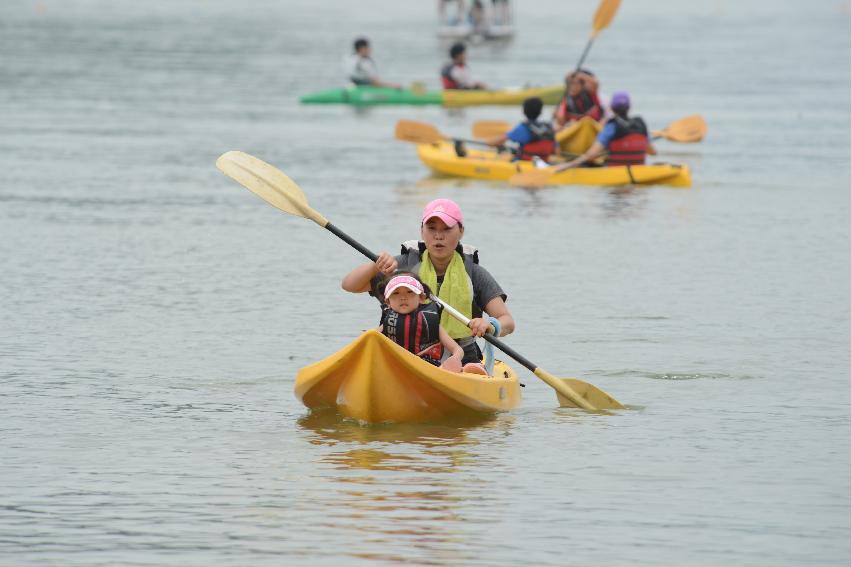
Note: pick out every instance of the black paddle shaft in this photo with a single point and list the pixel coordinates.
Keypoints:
(351, 242)
(584, 54)
(489, 338)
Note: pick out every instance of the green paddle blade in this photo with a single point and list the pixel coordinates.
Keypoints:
(269, 183)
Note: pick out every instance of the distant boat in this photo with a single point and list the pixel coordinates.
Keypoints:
(491, 20)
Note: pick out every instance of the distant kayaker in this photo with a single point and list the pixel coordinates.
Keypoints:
(455, 74)
(581, 98)
(411, 321)
(455, 19)
(361, 69)
(532, 137)
(477, 17)
(623, 140)
(452, 270)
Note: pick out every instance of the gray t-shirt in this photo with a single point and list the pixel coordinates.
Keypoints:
(485, 287)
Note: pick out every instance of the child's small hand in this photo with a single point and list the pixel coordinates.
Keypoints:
(386, 264)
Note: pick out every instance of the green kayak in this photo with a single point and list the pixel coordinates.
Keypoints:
(372, 95)
(364, 96)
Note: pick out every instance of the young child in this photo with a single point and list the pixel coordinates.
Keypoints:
(409, 321)
(533, 138)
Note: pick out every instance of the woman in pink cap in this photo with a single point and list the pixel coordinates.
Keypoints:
(453, 270)
(410, 320)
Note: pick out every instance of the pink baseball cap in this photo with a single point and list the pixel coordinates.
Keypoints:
(403, 281)
(446, 210)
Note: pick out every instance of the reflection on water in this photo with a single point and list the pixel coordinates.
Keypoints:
(326, 427)
(367, 487)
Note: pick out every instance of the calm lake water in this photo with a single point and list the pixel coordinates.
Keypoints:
(154, 314)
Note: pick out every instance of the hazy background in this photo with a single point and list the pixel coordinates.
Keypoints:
(154, 313)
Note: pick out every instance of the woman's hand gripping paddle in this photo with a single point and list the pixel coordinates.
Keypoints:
(274, 187)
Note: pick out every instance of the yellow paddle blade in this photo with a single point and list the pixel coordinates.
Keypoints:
(534, 178)
(604, 15)
(687, 130)
(564, 390)
(595, 396)
(417, 132)
(269, 183)
(490, 128)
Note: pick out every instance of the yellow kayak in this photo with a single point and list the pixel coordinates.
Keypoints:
(374, 380)
(550, 95)
(579, 136)
(488, 164)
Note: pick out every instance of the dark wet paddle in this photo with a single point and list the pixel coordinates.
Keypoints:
(274, 187)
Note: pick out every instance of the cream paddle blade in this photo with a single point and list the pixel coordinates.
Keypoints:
(597, 397)
(687, 130)
(417, 132)
(490, 128)
(269, 183)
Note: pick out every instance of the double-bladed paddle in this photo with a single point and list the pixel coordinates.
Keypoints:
(686, 130)
(274, 187)
(422, 133)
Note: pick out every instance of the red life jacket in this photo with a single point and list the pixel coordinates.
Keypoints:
(417, 332)
(629, 146)
(542, 144)
(446, 76)
(576, 107)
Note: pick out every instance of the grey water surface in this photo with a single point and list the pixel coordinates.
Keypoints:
(154, 314)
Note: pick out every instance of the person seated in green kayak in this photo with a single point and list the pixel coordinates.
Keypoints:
(623, 140)
(455, 74)
(410, 320)
(361, 69)
(532, 137)
(450, 268)
(581, 98)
